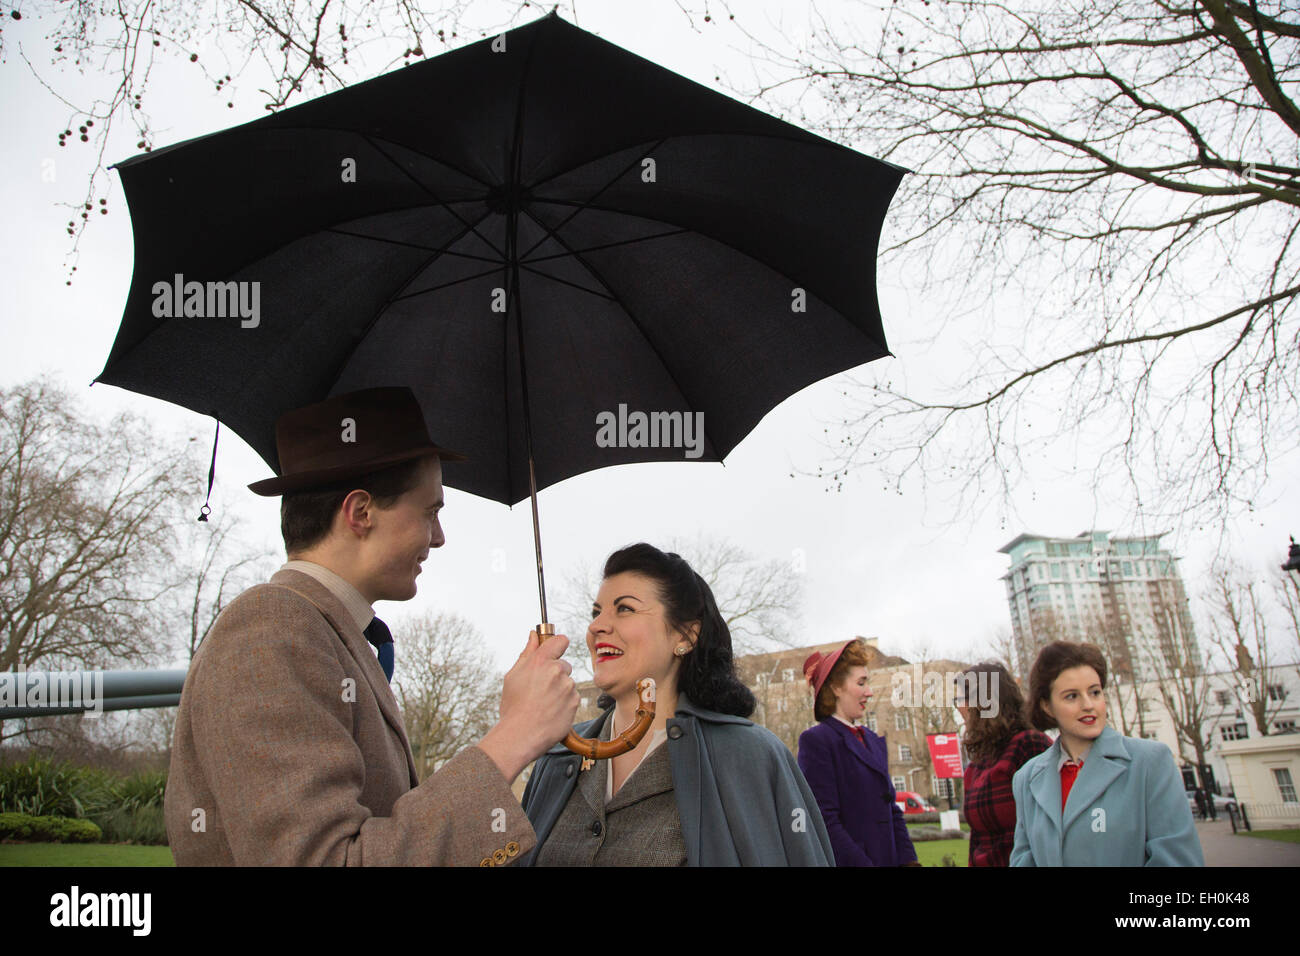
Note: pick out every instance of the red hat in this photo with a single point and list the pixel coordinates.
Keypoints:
(818, 667)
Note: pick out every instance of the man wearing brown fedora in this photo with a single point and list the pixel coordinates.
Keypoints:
(289, 748)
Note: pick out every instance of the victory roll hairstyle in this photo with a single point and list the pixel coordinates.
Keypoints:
(708, 673)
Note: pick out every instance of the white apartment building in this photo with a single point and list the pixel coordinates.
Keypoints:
(1124, 594)
(1229, 718)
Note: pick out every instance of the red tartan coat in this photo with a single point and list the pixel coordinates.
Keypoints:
(990, 806)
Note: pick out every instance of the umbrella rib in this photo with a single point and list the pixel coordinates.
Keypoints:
(573, 285)
(611, 245)
(434, 196)
(794, 282)
(415, 245)
(444, 285)
(398, 293)
(592, 198)
(614, 297)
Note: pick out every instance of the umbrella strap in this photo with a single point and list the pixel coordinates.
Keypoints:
(212, 474)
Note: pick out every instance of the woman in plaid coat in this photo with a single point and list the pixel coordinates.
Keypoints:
(998, 741)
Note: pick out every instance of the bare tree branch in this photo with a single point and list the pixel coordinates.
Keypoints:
(1100, 220)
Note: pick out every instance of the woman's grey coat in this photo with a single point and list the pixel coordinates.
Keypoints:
(741, 797)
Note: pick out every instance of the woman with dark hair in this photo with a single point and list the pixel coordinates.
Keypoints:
(1095, 798)
(705, 786)
(847, 766)
(998, 741)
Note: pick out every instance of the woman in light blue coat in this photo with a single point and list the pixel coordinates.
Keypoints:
(1095, 798)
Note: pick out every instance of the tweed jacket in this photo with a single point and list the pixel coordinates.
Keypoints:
(1127, 807)
(856, 796)
(989, 804)
(638, 827)
(289, 750)
(740, 798)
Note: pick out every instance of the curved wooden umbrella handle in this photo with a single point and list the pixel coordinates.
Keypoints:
(628, 739)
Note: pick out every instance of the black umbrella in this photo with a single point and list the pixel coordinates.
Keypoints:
(574, 257)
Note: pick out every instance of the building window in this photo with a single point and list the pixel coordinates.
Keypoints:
(871, 722)
(904, 753)
(761, 680)
(1276, 692)
(585, 701)
(897, 782)
(900, 720)
(781, 706)
(1284, 726)
(1234, 732)
(1222, 698)
(788, 674)
(1285, 785)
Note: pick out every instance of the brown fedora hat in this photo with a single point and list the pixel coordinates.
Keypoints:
(347, 436)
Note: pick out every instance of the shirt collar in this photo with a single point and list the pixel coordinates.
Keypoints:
(354, 603)
(1066, 759)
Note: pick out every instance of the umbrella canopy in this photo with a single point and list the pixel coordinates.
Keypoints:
(538, 226)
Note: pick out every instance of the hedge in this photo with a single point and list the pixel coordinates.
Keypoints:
(24, 826)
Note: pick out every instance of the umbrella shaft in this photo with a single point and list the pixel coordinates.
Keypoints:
(537, 538)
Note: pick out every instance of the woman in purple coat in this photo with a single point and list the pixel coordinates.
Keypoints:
(847, 766)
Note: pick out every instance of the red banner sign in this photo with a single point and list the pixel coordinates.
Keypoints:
(945, 754)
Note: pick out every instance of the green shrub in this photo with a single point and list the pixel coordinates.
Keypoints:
(140, 790)
(923, 834)
(911, 818)
(39, 787)
(120, 805)
(143, 826)
(48, 829)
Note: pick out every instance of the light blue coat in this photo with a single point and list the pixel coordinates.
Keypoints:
(1127, 808)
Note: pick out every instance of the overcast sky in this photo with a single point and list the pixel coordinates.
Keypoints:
(874, 562)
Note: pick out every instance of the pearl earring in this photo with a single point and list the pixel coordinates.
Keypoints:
(679, 650)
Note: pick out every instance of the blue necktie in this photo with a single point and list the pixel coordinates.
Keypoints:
(378, 634)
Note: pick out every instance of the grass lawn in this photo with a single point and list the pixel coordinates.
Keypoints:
(1286, 836)
(83, 854)
(931, 852)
